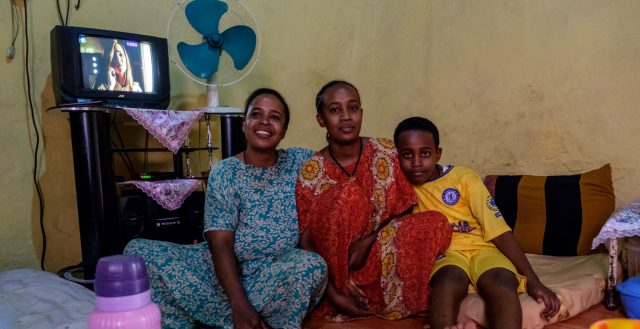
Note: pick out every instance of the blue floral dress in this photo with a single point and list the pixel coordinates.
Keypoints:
(258, 203)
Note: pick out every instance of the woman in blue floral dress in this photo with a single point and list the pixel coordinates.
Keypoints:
(258, 277)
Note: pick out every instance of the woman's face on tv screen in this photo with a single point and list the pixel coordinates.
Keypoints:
(119, 59)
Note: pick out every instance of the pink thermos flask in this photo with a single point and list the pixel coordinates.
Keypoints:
(123, 298)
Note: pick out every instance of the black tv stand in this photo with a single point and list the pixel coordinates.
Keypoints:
(96, 195)
(95, 189)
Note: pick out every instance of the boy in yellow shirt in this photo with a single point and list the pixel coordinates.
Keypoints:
(484, 255)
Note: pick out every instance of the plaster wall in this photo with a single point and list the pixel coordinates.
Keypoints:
(539, 87)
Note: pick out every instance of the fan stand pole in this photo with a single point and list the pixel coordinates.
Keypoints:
(213, 101)
(232, 138)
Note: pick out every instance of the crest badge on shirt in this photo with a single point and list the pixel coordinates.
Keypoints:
(450, 196)
(491, 204)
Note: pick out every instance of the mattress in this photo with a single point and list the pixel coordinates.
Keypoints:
(40, 300)
(578, 281)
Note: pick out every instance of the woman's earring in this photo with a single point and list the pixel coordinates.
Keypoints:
(328, 138)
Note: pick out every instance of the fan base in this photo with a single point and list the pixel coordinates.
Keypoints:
(221, 110)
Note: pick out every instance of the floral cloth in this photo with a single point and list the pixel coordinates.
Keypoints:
(281, 281)
(170, 194)
(171, 128)
(623, 223)
(339, 210)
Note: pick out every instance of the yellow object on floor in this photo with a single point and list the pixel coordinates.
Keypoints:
(616, 324)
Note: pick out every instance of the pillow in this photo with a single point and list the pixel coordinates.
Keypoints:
(555, 215)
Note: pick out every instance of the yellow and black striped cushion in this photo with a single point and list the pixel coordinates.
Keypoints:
(556, 215)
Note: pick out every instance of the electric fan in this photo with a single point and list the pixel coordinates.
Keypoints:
(215, 43)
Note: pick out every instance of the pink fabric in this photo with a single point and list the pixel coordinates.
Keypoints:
(170, 194)
(171, 128)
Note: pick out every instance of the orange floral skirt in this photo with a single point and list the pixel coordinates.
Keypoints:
(394, 282)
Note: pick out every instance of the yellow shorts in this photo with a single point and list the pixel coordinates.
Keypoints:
(476, 262)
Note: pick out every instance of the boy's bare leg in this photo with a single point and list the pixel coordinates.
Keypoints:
(449, 286)
(499, 289)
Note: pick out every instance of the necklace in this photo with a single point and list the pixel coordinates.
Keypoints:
(349, 174)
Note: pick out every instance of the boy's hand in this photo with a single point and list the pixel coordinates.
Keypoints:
(542, 294)
(508, 245)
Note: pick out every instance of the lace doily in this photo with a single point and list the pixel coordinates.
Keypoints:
(623, 223)
(171, 128)
(170, 194)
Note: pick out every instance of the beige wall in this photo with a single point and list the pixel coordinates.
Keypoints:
(541, 87)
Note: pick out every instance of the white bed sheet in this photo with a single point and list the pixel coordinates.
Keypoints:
(33, 299)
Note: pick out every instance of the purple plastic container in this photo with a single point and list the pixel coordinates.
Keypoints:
(123, 298)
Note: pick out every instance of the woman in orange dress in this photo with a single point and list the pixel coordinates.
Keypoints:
(354, 207)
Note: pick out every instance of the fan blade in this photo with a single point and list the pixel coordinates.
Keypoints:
(240, 43)
(200, 60)
(204, 15)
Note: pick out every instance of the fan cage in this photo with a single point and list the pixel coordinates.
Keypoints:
(180, 30)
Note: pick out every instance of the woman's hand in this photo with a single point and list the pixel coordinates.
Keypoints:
(221, 244)
(112, 78)
(246, 317)
(359, 252)
(542, 294)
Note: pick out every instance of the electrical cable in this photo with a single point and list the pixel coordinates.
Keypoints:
(199, 143)
(15, 25)
(66, 269)
(132, 168)
(59, 12)
(128, 164)
(146, 153)
(15, 28)
(124, 160)
(36, 181)
(77, 6)
(66, 18)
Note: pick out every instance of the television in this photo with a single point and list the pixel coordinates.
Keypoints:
(109, 67)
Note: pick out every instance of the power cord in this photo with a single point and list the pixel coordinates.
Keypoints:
(36, 180)
(15, 27)
(146, 152)
(125, 157)
(65, 21)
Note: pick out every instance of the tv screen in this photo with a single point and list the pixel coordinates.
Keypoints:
(110, 67)
(116, 64)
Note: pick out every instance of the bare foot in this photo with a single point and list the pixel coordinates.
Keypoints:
(466, 325)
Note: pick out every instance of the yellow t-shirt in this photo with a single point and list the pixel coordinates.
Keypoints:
(461, 196)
